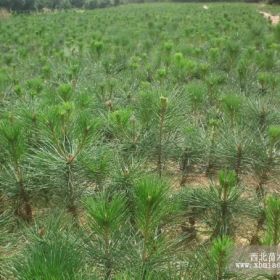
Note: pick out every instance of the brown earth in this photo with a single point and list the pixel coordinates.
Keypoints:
(4, 14)
(274, 19)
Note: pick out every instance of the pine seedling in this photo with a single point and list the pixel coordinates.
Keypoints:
(150, 198)
(162, 116)
(219, 255)
(167, 49)
(220, 205)
(231, 104)
(193, 151)
(160, 119)
(272, 226)
(196, 95)
(202, 70)
(161, 74)
(272, 221)
(66, 143)
(179, 66)
(267, 81)
(266, 60)
(97, 164)
(6, 240)
(232, 51)
(212, 146)
(213, 81)
(266, 162)
(35, 86)
(124, 129)
(274, 134)
(168, 46)
(261, 112)
(234, 150)
(13, 178)
(212, 262)
(107, 217)
(127, 170)
(54, 253)
(242, 71)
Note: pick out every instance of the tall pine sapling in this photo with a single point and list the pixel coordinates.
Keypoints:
(220, 205)
(107, 216)
(13, 177)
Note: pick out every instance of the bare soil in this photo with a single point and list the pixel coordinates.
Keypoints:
(4, 14)
(274, 19)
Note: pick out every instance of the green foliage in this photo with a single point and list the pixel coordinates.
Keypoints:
(151, 213)
(150, 195)
(193, 152)
(7, 240)
(197, 94)
(30, 5)
(13, 174)
(272, 218)
(219, 206)
(129, 232)
(212, 261)
(274, 133)
(232, 105)
(13, 139)
(220, 252)
(131, 112)
(107, 217)
(45, 257)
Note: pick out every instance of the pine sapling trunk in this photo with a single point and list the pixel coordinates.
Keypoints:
(146, 237)
(160, 143)
(239, 154)
(24, 209)
(219, 253)
(163, 108)
(192, 222)
(263, 119)
(264, 175)
(255, 240)
(72, 208)
(108, 261)
(260, 187)
(224, 212)
(220, 270)
(185, 167)
(210, 165)
(190, 230)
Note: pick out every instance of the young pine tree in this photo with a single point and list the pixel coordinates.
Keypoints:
(151, 214)
(52, 253)
(220, 205)
(69, 137)
(107, 216)
(14, 176)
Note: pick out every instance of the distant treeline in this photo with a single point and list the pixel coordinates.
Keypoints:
(31, 5)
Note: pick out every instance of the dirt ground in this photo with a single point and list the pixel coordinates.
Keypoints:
(4, 14)
(275, 19)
